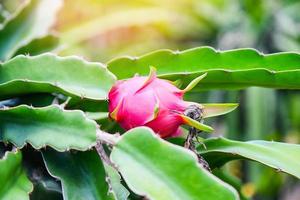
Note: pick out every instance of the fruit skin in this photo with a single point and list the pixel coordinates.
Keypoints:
(159, 105)
(148, 101)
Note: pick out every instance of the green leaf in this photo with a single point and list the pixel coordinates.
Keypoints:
(82, 174)
(216, 109)
(231, 180)
(43, 183)
(39, 46)
(14, 182)
(49, 73)
(97, 116)
(27, 24)
(163, 171)
(46, 188)
(237, 69)
(50, 126)
(280, 156)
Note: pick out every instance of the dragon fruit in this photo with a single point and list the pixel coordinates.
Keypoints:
(158, 104)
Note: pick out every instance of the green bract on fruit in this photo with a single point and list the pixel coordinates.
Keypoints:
(158, 104)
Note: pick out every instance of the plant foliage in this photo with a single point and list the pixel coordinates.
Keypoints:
(54, 107)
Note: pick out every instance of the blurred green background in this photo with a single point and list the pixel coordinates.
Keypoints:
(100, 30)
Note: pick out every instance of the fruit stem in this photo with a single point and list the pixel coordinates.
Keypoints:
(110, 139)
(195, 113)
(102, 154)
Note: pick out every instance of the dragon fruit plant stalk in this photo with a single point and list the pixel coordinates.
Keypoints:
(158, 104)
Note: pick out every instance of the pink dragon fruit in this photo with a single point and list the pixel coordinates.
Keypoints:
(158, 104)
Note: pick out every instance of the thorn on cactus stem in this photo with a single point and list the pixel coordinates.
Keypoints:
(279, 170)
(64, 104)
(176, 52)
(82, 96)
